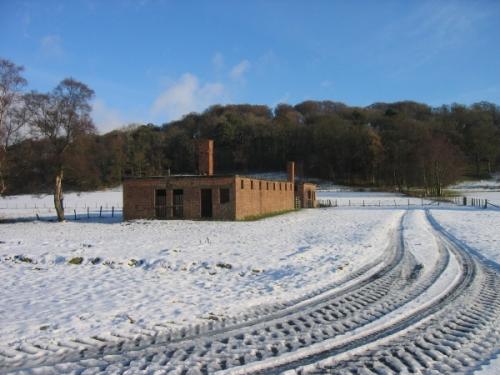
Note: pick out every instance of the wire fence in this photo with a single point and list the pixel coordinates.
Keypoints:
(44, 213)
(409, 202)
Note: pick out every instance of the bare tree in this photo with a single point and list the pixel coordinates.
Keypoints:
(12, 114)
(61, 117)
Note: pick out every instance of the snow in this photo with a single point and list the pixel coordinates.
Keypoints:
(370, 198)
(478, 229)
(171, 272)
(482, 189)
(423, 246)
(28, 206)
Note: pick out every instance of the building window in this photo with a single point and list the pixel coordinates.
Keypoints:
(242, 184)
(274, 185)
(251, 184)
(260, 185)
(286, 187)
(280, 185)
(267, 185)
(224, 195)
(309, 194)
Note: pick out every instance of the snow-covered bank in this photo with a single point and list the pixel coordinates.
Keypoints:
(136, 274)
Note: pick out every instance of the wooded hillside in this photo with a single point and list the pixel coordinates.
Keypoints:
(398, 145)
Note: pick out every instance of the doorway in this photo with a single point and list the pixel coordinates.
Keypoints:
(206, 203)
(178, 207)
(161, 204)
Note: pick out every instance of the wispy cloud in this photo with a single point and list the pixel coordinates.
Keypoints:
(187, 95)
(326, 84)
(218, 61)
(431, 29)
(106, 118)
(239, 70)
(51, 46)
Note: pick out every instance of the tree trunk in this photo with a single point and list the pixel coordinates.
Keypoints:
(58, 196)
(3, 186)
(3, 168)
(478, 165)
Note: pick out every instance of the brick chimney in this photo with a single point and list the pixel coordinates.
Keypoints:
(290, 170)
(206, 157)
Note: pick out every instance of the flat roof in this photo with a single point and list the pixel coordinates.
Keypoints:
(179, 176)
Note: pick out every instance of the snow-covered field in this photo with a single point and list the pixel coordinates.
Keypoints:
(137, 274)
(100, 275)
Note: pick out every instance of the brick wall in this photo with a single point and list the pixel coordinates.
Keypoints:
(139, 196)
(258, 197)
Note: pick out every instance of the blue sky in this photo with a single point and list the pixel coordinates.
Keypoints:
(153, 61)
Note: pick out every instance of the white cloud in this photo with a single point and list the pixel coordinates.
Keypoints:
(51, 46)
(187, 95)
(239, 70)
(105, 118)
(218, 61)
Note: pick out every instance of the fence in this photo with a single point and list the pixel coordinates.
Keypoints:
(376, 203)
(409, 202)
(475, 202)
(44, 212)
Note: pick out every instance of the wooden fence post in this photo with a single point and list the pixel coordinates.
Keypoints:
(74, 211)
(88, 213)
(100, 212)
(113, 211)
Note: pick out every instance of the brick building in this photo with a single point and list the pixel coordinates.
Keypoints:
(209, 196)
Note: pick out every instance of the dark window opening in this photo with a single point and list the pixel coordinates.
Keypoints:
(267, 185)
(242, 184)
(251, 184)
(260, 185)
(224, 195)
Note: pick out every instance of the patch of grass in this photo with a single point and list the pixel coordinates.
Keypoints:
(22, 258)
(270, 214)
(135, 262)
(76, 260)
(224, 265)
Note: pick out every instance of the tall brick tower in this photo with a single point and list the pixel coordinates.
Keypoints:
(206, 157)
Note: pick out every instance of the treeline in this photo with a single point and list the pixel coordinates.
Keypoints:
(401, 145)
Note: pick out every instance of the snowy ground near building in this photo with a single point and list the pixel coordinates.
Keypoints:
(172, 272)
